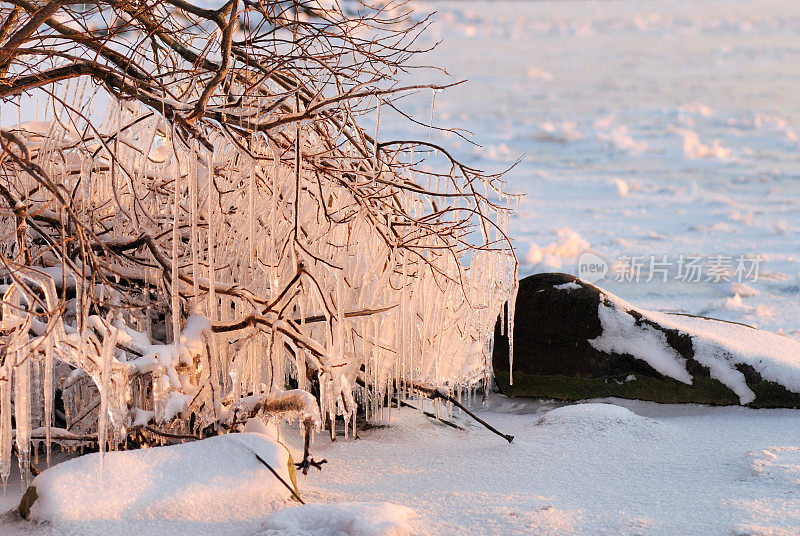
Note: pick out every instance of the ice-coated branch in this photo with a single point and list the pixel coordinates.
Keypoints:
(199, 227)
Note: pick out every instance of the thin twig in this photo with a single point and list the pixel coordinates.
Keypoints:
(436, 393)
(279, 477)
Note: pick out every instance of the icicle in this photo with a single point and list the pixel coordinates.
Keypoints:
(195, 215)
(109, 342)
(302, 379)
(512, 301)
(48, 395)
(176, 216)
(257, 351)
(376, 171)
(433, 106)
(340, 327)
(22, 414)
(236, 383)
(5, 421)
(212, 292)
(251, 202)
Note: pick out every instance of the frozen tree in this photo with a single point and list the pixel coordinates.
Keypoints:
(200, 229)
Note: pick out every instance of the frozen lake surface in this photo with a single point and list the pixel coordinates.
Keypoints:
(647, 129)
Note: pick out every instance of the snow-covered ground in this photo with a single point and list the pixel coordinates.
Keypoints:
(611, 467)
(591, 469)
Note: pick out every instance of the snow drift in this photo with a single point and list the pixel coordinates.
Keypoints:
(217, 479)
(591, 415)
(341, 519)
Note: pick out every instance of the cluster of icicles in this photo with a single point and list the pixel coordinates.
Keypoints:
(228, 222)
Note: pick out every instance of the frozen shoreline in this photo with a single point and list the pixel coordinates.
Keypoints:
(595, 468)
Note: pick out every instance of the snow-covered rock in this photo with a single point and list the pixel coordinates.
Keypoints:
(218, 479)
(577, 341)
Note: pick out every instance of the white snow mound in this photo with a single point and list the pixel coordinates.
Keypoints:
(217, 479)
(591, 415)
(341, 519)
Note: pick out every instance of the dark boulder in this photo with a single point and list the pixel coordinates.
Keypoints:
(558, 319)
